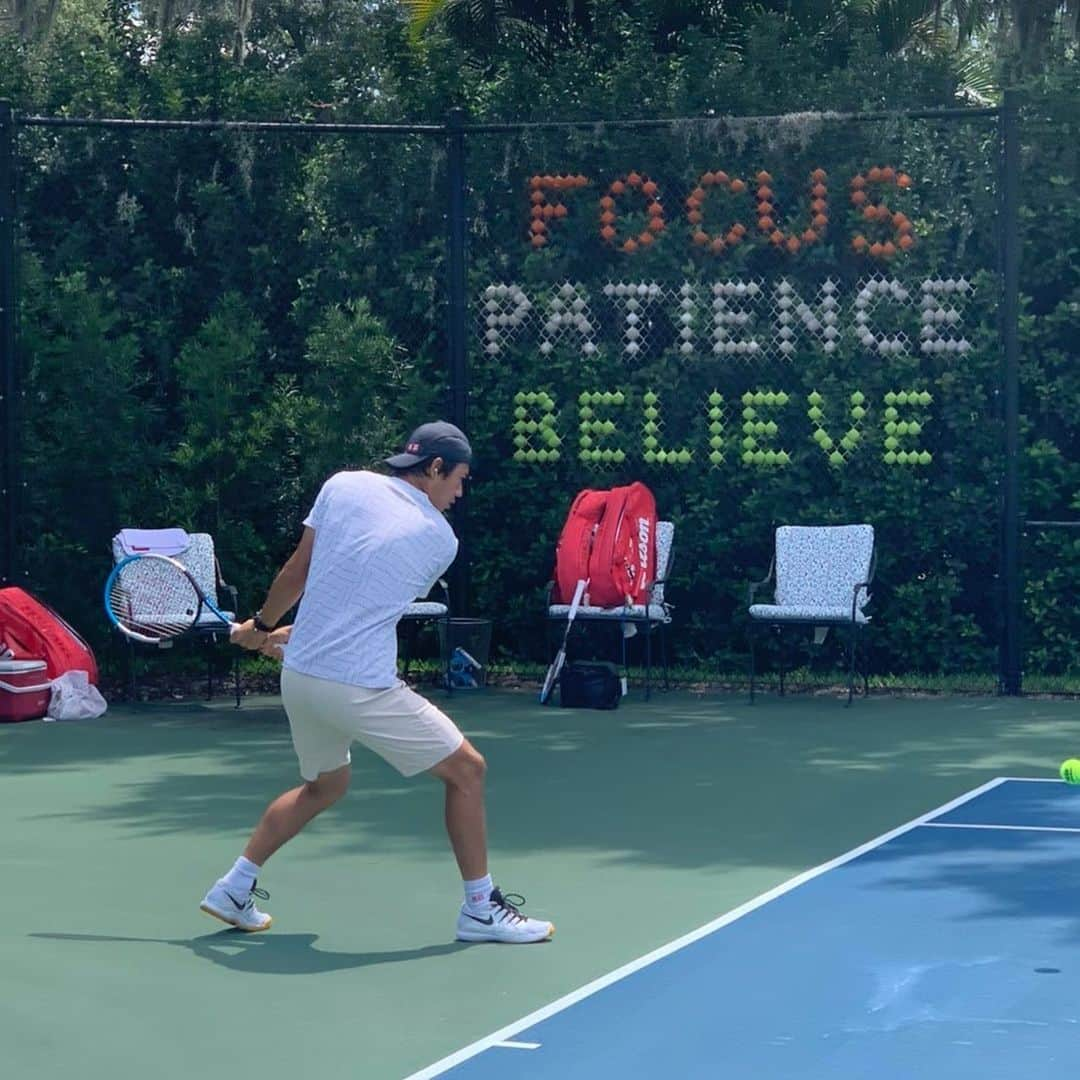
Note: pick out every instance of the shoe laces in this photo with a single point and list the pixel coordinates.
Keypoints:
(508, 904)
(262, 894)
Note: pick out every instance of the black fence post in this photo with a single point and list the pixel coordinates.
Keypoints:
(456, 330)
(1010, 676)
(9, 368)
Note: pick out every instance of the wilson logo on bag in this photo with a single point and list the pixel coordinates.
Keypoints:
(608, 540)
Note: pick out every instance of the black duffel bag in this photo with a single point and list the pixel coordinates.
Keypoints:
(590, 684)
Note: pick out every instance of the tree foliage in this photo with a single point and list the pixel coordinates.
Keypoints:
(213, 322)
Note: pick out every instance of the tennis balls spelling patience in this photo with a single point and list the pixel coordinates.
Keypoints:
(1070, 771)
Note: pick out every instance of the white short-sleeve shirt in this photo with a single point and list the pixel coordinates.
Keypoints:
(379, 544)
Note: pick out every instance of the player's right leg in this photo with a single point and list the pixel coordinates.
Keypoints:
(323, 752)
(232, 897)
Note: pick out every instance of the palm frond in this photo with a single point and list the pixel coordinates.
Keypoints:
(421, 13)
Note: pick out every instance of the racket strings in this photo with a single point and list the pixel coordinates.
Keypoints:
(154, 600)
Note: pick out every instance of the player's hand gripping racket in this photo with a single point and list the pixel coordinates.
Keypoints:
(560, 657)
(152, 598)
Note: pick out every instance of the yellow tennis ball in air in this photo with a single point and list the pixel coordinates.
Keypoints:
(1070, 771)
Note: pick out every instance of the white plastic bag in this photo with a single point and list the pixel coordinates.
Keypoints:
(74, 698)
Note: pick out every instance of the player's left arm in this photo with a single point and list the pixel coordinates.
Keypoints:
(275, 642)
(284, 594)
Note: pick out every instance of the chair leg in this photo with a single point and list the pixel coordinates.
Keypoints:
(209, 670)
(448, 638)
(663, 652)
(411, 628)
(783, 658)
(753, 636)
(851, 663)
(648, 660)
(131, 668)
(236, 675)
(865, 665)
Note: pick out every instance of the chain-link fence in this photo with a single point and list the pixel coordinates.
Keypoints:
(769, 320)
(777, 320)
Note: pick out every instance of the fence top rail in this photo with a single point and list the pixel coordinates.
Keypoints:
(269, 126)
(822, 117)
(298, 127)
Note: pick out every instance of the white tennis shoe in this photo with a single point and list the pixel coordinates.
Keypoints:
(239, 911)
(500, 920)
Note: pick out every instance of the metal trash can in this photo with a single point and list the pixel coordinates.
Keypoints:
(464, 645)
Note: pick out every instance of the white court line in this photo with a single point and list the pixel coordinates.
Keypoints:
(1033, 779)
(506, 1033)
(510, 1045)
(1002, 828)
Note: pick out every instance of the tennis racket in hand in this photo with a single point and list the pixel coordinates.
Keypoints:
(152, 598)
(560, 657)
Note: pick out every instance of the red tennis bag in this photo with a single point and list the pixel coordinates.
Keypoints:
(31, 630)
(609, 539)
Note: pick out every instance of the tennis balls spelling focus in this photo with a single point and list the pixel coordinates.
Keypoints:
(1070, 771)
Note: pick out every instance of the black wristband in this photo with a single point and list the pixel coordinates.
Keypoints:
(256, 621)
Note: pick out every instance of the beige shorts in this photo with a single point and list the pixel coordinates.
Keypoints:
(327, 717)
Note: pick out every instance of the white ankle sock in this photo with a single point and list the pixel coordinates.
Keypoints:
(477, 893)
(241, 877)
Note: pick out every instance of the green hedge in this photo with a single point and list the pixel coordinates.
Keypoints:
(213, 323)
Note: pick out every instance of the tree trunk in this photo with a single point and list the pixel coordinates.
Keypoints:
(244, 10)
(1033, 25)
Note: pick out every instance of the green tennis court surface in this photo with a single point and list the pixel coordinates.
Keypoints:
(628, 828)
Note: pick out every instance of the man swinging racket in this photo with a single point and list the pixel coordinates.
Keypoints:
(370, 546)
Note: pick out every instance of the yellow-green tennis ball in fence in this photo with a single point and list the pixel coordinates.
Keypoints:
(1070, 771)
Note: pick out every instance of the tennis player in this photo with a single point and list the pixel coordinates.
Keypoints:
(371, 545)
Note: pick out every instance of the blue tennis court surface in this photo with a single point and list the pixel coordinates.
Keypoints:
(949, 948)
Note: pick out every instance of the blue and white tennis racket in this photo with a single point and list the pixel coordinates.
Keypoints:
(152, 598)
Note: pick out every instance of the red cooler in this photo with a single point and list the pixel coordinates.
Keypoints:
(24, 690)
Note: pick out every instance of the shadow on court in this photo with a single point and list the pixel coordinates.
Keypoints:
(272, 953)
(665, 813)
(684, 781)
(1008, 874)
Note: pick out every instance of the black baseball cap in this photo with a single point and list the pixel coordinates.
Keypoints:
(437, 439)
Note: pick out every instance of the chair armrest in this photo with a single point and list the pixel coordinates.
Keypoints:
(855, 596)
(755, 585)
(224, 587)
(864, 585)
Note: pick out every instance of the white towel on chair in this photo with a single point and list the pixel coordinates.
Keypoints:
(157, 541)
